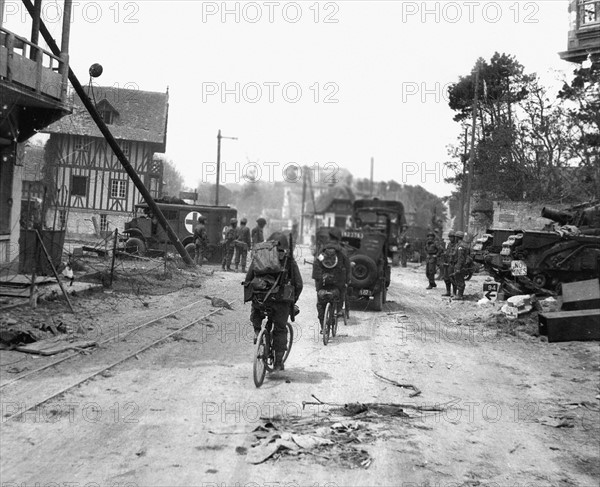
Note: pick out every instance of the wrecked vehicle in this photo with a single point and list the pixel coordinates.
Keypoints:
(528, 261)
(143, 235)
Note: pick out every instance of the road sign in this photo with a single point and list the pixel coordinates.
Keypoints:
(191, 219)
(518, 268)
(490, 290)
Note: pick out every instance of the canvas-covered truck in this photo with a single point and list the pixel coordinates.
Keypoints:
(143, 235)
(394, 226)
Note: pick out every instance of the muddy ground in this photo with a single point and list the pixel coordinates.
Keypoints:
(485, 400)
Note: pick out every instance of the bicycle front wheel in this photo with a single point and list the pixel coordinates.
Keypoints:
(290, 341)
(327, 322)
(260, 358)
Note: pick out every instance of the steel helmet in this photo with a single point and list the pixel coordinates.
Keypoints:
(261, 221)
(430, 233)
(281, 239)
(233, 220)
(451, 233)
(201, 219)
(459, 234)
(244, 221)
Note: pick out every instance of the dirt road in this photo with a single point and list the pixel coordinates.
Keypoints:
(512, 410)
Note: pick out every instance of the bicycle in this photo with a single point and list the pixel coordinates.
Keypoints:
(264, 357)
(332, 312)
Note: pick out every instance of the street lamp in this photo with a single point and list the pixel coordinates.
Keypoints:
(219, 137)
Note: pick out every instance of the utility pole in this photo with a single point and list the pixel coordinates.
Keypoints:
(461, 202)
(471, 155)
(372, 166)
(219, 137)
(304, 175)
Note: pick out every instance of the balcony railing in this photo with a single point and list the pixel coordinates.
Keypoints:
(33, 68)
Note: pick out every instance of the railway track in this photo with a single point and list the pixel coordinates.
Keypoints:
(86, 377)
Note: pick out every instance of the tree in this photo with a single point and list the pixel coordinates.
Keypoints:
(582, 111)
(502, 85)
(172, 178)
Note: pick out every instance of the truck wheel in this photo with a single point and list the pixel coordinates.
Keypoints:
(135, 246)
(364, 271)
(191, 249)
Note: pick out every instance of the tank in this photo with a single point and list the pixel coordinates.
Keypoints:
(566, 250)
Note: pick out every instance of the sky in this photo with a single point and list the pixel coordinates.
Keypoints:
(322, 84)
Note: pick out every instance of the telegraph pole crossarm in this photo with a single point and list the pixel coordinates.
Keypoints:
(219, 137)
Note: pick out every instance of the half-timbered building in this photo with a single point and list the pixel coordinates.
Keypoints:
(100, 195)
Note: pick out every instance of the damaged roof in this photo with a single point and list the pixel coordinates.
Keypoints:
(138, 115)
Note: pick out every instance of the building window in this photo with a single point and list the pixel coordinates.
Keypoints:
(125, 148)
(118, 188)
(156, 166)
(103, 222)
(79, 186)
(589, 12)
(154, 188)
(107, 115)
(78, 144)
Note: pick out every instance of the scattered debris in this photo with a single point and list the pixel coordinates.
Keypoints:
(219, 303)
(397, 384)
(547, 305)
(324, 439)
(16, 337)
(556, 422)
(517, 305)
(54, 345)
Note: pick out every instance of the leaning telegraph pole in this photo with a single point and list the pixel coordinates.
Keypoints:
(113, 143)
(471, 155)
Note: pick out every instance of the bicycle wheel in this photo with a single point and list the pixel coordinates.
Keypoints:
(290, 341)
(334, 323)
(327, 323)
(260, 358)
(346, 311)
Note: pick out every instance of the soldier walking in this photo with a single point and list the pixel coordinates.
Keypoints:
(200, 240)
(257, 231)
(242, 244)
(432, 249)
(229, 245)
(448, 264)
(462, 252)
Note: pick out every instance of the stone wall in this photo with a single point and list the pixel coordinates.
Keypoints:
(518, 215)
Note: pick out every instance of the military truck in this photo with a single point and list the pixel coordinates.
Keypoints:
(395, 224)
(144, 236)
(376, 231)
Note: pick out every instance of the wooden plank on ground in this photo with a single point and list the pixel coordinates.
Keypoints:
(20, 280)
(581, 295)
(53, 346)
(565, 326)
